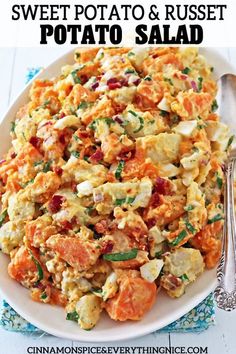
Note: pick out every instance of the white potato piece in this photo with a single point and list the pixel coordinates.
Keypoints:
(88, 308)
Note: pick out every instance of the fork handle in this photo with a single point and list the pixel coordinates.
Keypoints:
(225, 292)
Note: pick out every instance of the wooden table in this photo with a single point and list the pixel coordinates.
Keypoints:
(220, 339)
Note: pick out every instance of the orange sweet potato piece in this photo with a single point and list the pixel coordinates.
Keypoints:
(135, 297)
(38, 231)
(79, 254)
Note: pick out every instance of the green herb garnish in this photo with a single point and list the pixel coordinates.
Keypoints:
(163, 113)
(186, 71)
(217, 217)
(72, 316)
(231, 139)
(43, 296)
(158, 254)
(131, 54)
(190, 227)
(3, 216)
(184, 277)
(75, 76)
(130, 71)
(121, 256)
(75, 154)
(47, 166)
(127, 200)
(200, 80)
(188, 207)
(37, 163)
(83, 105)
(167, 79)
(119, 169)
(179, 238)
(219, 180)
(13, 127)
(148, 78)
(214, 106)
(39, 268)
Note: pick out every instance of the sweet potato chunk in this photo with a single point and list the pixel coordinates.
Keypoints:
(134, 298)
(79, 254)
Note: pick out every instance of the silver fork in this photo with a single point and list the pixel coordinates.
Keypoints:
(225, 292)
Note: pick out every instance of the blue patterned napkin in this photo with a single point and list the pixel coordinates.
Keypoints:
(197, 320)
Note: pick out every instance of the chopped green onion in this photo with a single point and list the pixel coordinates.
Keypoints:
(188, 207)
(130, 71)
(37, 163)
(184, 277)
(47, 166)
(151, 121)
(190, 227)
(174, 119)
(13, 127)
(179, 238)
(148, 78)
(75, 154)
(167, 79)
(217, 217)
(130, 200)
(109, 121)
(3, 217)
(200, 80)
(120, 201)
(75, 76)
(119, 169)
(158, 254)
(76, 138)
(141, 120)
(214, 106)
(83, 105)
(23, 185)
(45, 103)
(163, 113)
(72, 316)
(219, 181)
(131, 54)
(39, 268)
(43, 296)
(121, 256)
(133, 113)
(229, 142)
(186, 71)
(86, 158)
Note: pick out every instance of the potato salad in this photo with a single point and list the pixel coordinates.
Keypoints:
(113, 186)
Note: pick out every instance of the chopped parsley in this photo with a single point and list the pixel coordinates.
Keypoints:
(127, 200)
(148, 78)
(217, 217)
(121, 256)
(39, 268)
(214, 106)
(219, 180)
(75, 154)
(119, 169)
(83, 105)
(179, 238)
(184, 277)
(231, 139)
(200, 80)
(72, 316)
(13, 127)
(188, 207)
(3, 217)
(163, 113)
(190, 227)
(131, 54)
(186, 71)
(47, 166)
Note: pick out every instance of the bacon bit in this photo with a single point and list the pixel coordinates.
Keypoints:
(55, 203)
(83, 134)
(137, 82)
(62, 139)
(162, 186)
(83, 78)
(97, 156)
(94, 86)
(13, 155)
(150, 223)
(35, 141)
(58, 170)
(171, 282)
(183, 77)
(114, 86)
(2, 161)
(126, 155)
(61, 115)
(124, 82)
(74, 187)
(49, 122)
(118, 119)
(101, 227)
(66, 225)
(107, 247)
(155, 200)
